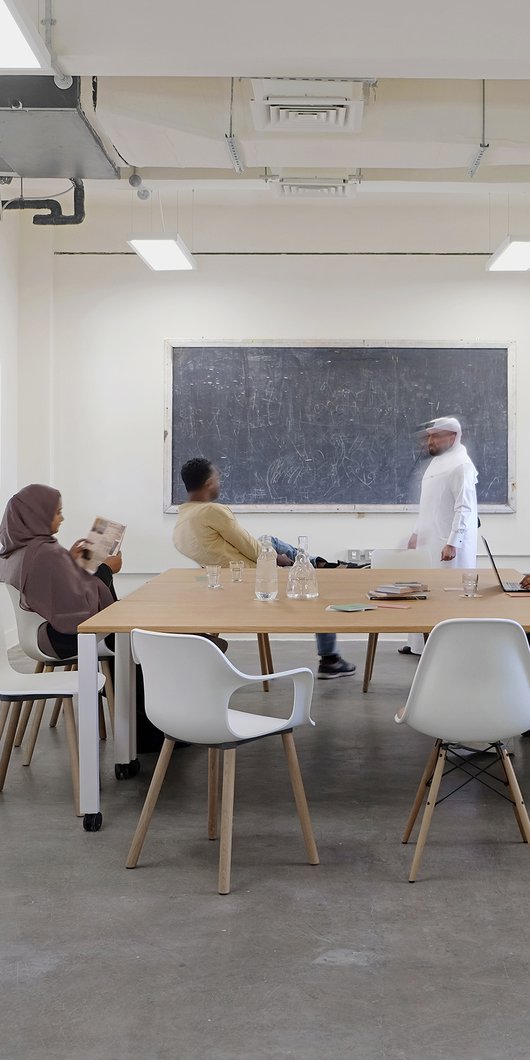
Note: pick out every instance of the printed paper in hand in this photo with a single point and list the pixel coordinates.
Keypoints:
(103, 539)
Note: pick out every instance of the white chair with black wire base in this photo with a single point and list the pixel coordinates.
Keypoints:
(472, 685)
(398, 559)
(17, 688)
(188, 686)
(28, 625)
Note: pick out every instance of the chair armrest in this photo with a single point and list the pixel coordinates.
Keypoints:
(303, 682)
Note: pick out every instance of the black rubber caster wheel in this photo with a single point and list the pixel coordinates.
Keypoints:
(92, 822)
(124, 770)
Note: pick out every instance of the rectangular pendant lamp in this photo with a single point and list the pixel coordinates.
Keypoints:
(20, 48)
(163, 254)
(513, 255)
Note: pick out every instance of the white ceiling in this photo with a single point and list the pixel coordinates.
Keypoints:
(165, 79)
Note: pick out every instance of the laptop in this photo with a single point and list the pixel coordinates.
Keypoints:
(506, 586)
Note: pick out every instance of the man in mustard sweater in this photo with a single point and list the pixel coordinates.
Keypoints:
(208, 532)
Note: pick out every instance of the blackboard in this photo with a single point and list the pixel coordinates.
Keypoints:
(334, 427)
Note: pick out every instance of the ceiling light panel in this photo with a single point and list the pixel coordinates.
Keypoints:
(20, 49)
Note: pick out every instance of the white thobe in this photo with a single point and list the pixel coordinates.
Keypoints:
(448, 508)
(448, 513)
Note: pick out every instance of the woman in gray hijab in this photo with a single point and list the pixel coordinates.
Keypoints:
(49, 579)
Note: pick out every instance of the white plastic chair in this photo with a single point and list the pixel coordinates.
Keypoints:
(188, 685)
(398, 559)
(28, 625)
(472, 684)
(16, 688)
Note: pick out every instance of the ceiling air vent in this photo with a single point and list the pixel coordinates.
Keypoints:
(314, 187)
(307, 106)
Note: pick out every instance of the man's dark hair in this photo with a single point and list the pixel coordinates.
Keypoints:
(195, 473)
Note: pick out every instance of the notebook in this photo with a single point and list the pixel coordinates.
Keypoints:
(506, 586)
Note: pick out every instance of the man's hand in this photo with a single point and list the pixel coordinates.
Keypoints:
(283, 561)
(448, 552)
(413, 541)
(525, 582)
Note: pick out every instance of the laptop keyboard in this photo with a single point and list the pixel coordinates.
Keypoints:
(512, 587)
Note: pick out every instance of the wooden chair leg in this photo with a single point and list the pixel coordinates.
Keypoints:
(422, 788)
(25, 715)
(73, 749)
(263, 658)
(268, 653)
(108, 691)
(54, 716)
(428, 812)
(515, 791)
(227, 819)
(157, 780)
(9, 740)
(370, 657)
(297, 785)
(213, 791)
(4, 711)
(34, 732)
(101, 715)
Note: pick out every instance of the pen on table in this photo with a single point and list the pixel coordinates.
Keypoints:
(397, 607)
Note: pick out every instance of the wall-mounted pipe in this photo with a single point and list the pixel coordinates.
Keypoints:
(55, 215)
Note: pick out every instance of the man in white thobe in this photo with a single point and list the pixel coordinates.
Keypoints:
(447, 520)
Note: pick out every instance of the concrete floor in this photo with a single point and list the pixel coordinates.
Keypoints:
(346, 960)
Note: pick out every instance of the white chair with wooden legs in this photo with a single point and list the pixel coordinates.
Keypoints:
(28, 625)
(472, 685)
(17, 688)
(397, 559)
(188, 686)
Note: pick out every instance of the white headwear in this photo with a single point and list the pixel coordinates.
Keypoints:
(445, 423)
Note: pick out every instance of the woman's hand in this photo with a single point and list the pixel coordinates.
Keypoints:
(114, 562)
(78, 548)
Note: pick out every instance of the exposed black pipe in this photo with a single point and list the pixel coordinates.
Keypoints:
(55, 215)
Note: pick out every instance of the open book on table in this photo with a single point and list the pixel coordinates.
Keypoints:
(103, 539)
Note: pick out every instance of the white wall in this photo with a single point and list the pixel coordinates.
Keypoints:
(103, 319)
(9, 279)
(9, 320)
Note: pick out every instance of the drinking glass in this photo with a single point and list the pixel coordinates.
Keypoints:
(470, 583)
(236, 569)
(213, 574)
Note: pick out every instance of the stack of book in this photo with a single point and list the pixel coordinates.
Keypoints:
(400, 590)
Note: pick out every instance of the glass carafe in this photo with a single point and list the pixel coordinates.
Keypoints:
(266, 571)
(302, 581)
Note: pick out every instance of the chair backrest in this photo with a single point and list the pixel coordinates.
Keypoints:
(28, 625)
(472, 682)
(400, 558)
(188, 684)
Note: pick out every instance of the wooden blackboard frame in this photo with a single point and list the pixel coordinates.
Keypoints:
(171, 344)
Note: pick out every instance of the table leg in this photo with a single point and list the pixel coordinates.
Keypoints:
(88, 731)
(126, 763)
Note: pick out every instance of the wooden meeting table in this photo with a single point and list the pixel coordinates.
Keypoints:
(179, 601)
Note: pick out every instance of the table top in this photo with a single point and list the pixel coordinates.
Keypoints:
(178, 601)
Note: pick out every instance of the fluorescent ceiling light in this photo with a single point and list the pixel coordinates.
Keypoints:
(513, 255)
(163, 254)
(16, 51)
